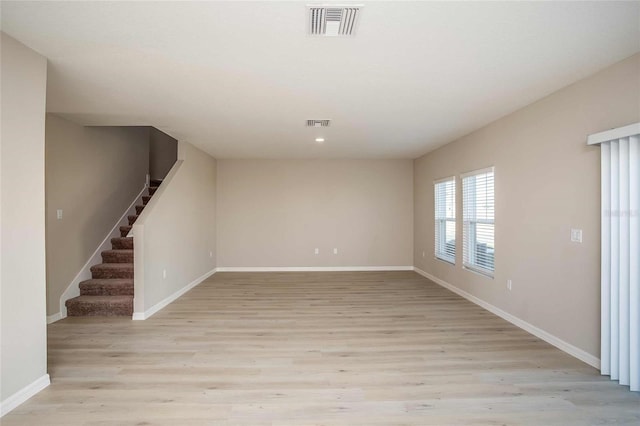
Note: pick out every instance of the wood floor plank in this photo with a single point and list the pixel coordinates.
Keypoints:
(343, 348)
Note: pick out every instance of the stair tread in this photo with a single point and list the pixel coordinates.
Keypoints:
(110, 306)
(115, 251)
(118, 242)
(107, 287)
(101, 299)
(113, 266)
(108, 281)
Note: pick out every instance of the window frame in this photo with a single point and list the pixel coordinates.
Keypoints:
(440, 224)
(469, 227)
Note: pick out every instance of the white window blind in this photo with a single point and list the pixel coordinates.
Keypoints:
(445, 215)
(478, 221)
(620, 253)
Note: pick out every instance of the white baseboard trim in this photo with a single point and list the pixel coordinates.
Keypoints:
(312, 268)
(538, 332)
(55, 317)
(73, 288)
(24, 394)
(141, 316)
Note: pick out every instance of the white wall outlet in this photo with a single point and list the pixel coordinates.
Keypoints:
(509, 284)
(422, 254)
(210, 254)
(164, 273)
(317, 251)
(335, 251)
(576, 235)
(59, 213)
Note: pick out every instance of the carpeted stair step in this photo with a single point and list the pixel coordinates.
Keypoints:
(112, 270)
(100, 306)
(145, 199)
(107, 287)
(122, 243)
(132, 219)
(124, 230)
(139, 209)
(152, 190)
(117, 256)
(155, 182)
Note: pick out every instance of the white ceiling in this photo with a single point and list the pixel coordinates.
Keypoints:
(239, 79)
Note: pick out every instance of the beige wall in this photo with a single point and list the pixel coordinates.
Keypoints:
(163, 153)
(93, 174)
(23, 327)
(274, 213)
(547, 181)
(176, 232)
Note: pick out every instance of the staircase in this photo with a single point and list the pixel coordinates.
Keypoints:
(109, 292)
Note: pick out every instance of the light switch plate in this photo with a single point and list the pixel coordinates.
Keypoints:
(576, 235)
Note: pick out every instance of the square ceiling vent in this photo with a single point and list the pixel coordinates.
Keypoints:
(318, 123)
(333, 21)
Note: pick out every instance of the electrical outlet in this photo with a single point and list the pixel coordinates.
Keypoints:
(422, 254)
(509, 284)
(335, 251)
(210, 254)
(317, 251)
(164, 273)
(59, 213)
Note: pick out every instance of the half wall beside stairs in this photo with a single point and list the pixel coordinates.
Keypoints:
(175, 239)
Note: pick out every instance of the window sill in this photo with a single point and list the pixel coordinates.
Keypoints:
(448, 262)
(484, 273)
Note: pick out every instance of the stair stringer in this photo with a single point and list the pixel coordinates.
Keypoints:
(73, 289)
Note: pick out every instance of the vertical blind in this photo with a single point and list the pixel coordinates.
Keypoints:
(445, 214)
(478, 221)
(620, 254)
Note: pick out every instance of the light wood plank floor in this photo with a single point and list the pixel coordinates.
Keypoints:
(364, 348)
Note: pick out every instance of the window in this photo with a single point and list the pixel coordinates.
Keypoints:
(445, 214)
(478, 221)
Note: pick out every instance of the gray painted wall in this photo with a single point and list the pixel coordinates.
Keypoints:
(23, 327)
(163, 153)
(276, 212)
(547, 181)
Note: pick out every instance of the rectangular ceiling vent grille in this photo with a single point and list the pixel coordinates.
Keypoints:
(318, 123)
(333, 21)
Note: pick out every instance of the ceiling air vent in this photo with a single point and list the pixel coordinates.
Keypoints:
(318, 123)
(332, 21)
